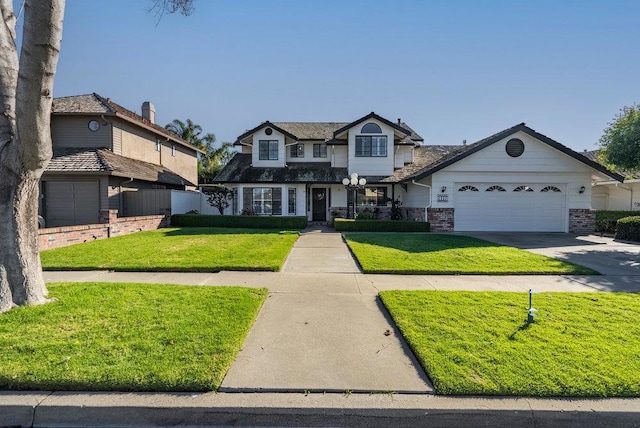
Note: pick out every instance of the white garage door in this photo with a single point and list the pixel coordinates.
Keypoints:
(510, 207)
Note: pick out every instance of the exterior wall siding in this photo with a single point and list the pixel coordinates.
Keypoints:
(340, 158)
(73, 132)
(255, 152)
(371, 165)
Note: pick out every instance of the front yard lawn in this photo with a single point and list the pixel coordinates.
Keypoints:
(196, 249)
(580, 345)
(433, 254)
(126, 337)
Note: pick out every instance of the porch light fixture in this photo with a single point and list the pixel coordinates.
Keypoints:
(443, 189)
(582, 189)
(353, 183)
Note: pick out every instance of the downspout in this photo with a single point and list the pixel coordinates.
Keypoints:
(426, 216)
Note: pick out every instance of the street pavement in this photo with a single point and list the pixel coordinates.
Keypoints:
(324, 352)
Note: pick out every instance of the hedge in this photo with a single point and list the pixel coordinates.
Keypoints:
(346, 225)
(249, 222)
(628, 229)
(606, 220)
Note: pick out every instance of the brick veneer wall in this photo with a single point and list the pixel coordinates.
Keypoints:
(440, 219)
(582, 220)
(54, 237)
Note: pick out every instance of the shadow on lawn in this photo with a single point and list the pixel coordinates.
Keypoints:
(193, 231)
(420, 243)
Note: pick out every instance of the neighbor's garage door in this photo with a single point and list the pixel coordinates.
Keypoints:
(71, 202)
(510, 207)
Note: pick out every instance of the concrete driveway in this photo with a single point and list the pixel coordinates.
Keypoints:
(607, 256)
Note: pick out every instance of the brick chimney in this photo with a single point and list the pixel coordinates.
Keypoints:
(149, 111)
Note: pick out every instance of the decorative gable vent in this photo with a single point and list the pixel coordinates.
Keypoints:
(514, 147)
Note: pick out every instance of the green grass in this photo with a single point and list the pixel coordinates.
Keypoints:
(424, 253)
(197, 249)
(581, 344)
(126, 337)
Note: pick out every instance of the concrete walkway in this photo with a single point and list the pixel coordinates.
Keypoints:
(320, 334)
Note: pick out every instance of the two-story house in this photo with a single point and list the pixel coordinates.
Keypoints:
(515, 180)
(102, 150)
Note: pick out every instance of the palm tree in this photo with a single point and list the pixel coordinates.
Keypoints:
(212, 159)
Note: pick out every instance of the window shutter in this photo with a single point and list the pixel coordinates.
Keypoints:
(276, 201)
(247, 198)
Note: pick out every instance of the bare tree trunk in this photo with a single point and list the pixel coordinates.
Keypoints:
(26, 93)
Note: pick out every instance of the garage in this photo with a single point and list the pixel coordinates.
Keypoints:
(510, 207)
(68, 203)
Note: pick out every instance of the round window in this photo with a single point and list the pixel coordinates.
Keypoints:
(514, 147)
(93, 125)
(268, 131)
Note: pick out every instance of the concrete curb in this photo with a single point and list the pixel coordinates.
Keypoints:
(75, 409)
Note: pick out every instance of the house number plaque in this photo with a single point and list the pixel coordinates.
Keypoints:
(443, 197)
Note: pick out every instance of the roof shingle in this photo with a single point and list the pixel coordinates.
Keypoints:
(103, 161)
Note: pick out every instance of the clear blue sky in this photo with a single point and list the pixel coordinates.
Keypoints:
(452, 70)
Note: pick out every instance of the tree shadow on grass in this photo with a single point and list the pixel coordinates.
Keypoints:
(420, 243)
(194, 231)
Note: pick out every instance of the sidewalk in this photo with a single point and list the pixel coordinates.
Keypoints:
(319, 341)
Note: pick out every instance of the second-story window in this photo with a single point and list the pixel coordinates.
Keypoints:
(296, 151)
(268, 149)
(371, 146)
(319, 150)
(173, 150)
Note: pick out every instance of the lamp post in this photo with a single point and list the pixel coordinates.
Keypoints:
(353, 183)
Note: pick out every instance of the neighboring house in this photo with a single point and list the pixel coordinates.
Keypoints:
(101, 151)
(610, 194)
(515, 180)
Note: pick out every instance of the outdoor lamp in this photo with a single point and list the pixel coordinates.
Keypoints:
(582, 189)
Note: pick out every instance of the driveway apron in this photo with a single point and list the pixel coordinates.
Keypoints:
(312, 339)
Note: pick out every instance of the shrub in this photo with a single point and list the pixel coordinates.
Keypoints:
(628, 229)
(345, 225)
(249, 222)
(606, 220)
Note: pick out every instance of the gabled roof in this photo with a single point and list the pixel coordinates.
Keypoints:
(372, 115)
(327, 131)
(456, 156)
(103, 161)
(94, 104)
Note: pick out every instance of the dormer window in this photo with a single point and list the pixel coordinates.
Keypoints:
(371, 128)
(371, 146)
(268, 149)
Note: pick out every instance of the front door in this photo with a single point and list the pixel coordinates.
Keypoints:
(319, 204)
